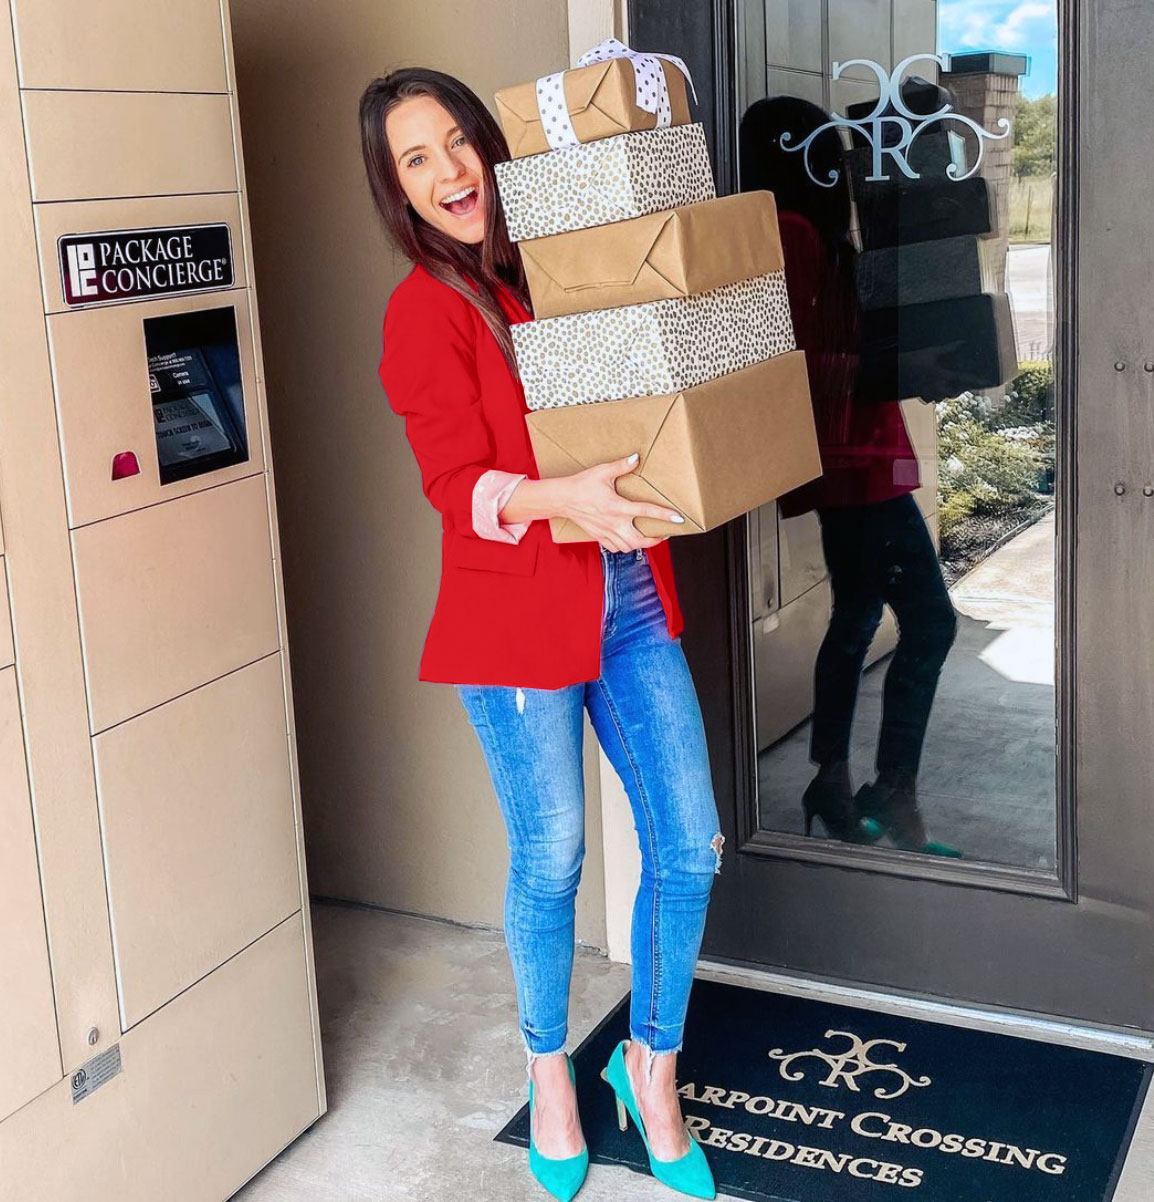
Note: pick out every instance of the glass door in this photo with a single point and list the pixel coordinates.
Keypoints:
(931, 723)
(902, 607)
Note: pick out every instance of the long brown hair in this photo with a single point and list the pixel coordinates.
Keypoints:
(487, 264)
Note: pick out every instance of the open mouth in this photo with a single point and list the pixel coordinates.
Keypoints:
(461, 203)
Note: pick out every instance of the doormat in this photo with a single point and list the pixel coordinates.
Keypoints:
(797, 1100)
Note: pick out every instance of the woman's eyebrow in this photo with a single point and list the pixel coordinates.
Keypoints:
(455, 130)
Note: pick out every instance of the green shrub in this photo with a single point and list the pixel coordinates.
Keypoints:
(981, 469)
(967, 407)
(1031, 396)
(953, 511)
(997, 472)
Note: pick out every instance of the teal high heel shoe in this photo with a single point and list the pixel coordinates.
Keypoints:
(888, 810)
(689, 1174)
(562, 1177)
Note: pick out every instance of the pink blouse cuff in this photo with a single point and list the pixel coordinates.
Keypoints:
(490, 495)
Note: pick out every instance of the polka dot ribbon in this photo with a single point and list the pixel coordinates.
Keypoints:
(652, 90)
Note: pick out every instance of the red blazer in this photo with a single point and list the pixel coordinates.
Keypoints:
(526, 614)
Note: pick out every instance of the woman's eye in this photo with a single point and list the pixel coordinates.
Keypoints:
(460, 141)
(416, 160)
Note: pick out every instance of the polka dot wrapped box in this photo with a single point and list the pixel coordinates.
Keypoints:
(654, 348)
(598, 183)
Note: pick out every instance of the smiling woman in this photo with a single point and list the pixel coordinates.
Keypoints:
(429, 146)
(533, 633)
(442, 178)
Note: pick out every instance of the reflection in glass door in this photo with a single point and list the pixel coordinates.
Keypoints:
(902, 607)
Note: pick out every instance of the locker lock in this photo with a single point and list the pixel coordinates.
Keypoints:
(93, 1037)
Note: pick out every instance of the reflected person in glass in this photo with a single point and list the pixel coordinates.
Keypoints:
(874, 538)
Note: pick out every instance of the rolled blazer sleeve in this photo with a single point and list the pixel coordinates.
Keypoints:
(490, 495)
(428, 369)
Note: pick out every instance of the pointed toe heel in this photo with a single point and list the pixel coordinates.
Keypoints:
(889, 811)
(689, 1174)
(561, 1178)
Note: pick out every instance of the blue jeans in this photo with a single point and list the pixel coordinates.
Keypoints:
(645, 713)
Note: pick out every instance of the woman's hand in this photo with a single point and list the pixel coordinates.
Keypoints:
(593, 502)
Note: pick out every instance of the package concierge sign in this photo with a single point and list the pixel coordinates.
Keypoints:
(123, 265)
(795, 1098)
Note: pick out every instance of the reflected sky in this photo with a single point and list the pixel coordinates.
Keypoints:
(1015, 26)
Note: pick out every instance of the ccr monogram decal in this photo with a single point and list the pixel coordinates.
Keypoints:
(847, 1066)
(908, 124)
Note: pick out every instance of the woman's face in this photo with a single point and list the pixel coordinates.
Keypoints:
(440, 173)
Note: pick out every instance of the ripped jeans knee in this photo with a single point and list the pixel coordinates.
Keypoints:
(717, 843)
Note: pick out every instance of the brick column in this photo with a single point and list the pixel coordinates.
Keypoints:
(985, 96)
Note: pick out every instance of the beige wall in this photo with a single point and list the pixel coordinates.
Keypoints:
(397, 802)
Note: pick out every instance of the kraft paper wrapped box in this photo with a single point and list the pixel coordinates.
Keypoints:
(663, 256)
(712, 452)
(601, 100)
(655, 348)
(597, 183)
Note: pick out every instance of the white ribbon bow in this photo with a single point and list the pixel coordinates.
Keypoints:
(648, 76)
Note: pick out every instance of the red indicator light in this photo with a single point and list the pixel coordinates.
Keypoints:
(125, 464)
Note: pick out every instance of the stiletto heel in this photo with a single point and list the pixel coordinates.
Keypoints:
(689, 1174)
(562, 1177)
(622, 1113)
(833, 802)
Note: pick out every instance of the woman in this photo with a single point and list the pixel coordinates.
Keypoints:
(532, 632)
(877, 548)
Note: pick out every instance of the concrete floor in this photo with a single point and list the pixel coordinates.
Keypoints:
(988, 781)
(424, 1066)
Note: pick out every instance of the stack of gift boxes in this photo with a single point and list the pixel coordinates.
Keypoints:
(934, 323)
(662, 318)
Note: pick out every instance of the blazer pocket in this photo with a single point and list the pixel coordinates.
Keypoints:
(488, 555)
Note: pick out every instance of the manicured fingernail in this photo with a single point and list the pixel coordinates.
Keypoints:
(633, 458)
(678, 518)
